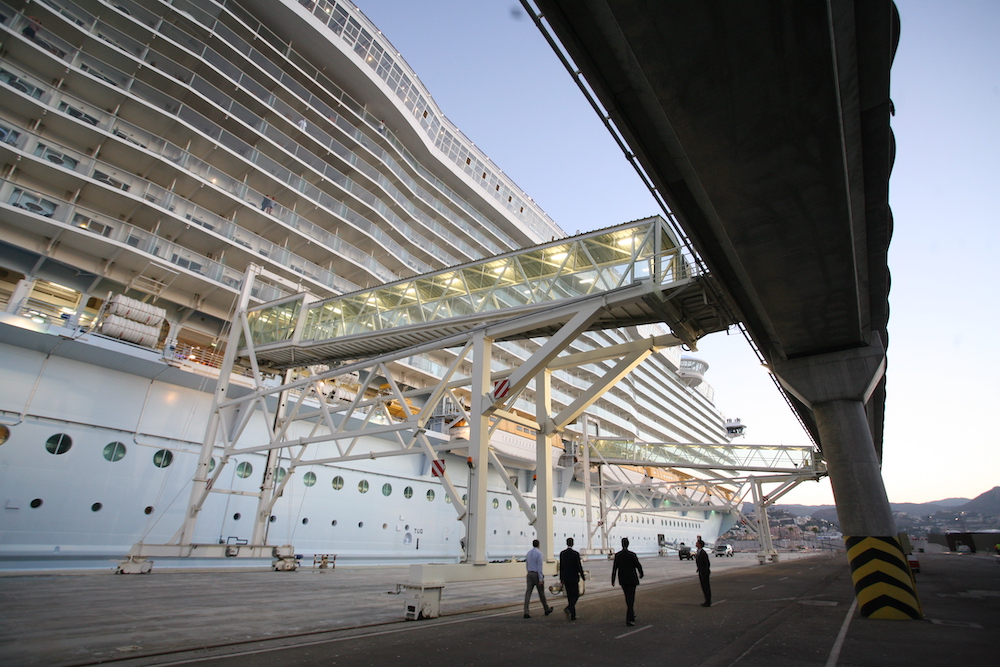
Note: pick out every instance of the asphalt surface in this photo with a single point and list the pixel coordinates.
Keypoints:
(799, 611)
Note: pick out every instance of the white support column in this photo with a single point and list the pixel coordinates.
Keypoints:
(543, 462)
(587, 494)
(479, 447)
(20, 294)
(265, 502)
(199, 486)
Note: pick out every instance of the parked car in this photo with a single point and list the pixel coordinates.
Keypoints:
(724, 550)
(684, 551)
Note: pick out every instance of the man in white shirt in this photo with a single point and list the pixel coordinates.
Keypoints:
(533, 562)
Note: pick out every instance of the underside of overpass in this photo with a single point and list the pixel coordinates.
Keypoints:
(763, 131)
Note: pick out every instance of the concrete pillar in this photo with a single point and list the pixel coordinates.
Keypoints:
(836, 387)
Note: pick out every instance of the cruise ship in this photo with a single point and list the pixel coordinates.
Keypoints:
(154, 154)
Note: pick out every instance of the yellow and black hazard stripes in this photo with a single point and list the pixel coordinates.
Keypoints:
(882, 580)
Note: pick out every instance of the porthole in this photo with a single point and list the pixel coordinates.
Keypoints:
(236, 517)
(4, 433)
(305, 521)
(496, 503)
(333, 523)
(148, 509)
(361, 524)
(532, 507)
(244, 470)
(430, 494)
(163, 458)
(465, 497)
(36, 503)
(554, 510)
(363, 486)
(58, 443)
(509, 504)
(447, 498)
(114, 451)
(387, 489)
(572, 512)
(96, 507)
(564, 511)
(279, 475)
(408, 492)
(211, 465)
(272, 518)
(337, 483)
(309, 479)
(384, 526)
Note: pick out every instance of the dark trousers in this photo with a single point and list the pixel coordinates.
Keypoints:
(629, 602)
(572, 589)
(706, 586)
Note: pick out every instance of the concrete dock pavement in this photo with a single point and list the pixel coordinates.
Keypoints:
(796, 612)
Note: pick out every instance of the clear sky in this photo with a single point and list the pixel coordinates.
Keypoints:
(495, 77)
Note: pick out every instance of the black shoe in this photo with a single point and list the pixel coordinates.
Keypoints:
(527, 615)
(572, 617)
(706, 604)
(549, 610)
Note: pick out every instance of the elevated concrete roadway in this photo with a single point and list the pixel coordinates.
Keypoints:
(763, 128)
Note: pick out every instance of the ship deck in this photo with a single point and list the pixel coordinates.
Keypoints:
(795, 612)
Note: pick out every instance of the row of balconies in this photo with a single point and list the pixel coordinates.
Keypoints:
(327, 171)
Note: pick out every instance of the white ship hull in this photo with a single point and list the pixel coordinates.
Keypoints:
(78, 509)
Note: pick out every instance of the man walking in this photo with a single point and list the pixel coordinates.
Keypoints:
(629, 571)
(533, 562)
(704, 564)
(570, 574)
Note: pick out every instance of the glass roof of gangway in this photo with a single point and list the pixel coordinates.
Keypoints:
(296, 330)
(749, 458)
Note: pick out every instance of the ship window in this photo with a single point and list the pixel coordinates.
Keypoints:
(237, 516)
(509, 505)
(553, 509)
(384, 526)
(59, 443)
(148, 510)
(244, 470)
(163, 458)
(496, 503)
(363, 486)
(272, 518)
(361, 524)
(465, 497)
(211, 465)
(564, 511)
(447, 498)
(114, 451)
(280, 474)
(387, 489)
(333, 523)
(430, 494)
(305, 521)
(408, 492)
(309, 479)
(4, 434)
(96, 507)
(36, 503)
(572, 512)
(338, 483)
(532, 507)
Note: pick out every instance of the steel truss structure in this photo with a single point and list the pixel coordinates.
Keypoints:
(630, 274)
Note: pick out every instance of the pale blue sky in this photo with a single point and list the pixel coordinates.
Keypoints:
(494, 76)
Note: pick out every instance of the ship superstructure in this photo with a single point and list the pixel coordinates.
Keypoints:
(152, 154)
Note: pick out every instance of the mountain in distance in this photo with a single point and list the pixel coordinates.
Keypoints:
(985, 503)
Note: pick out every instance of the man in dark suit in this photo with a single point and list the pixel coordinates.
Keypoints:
(629, 571)
(570, 574)
(704, 572)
